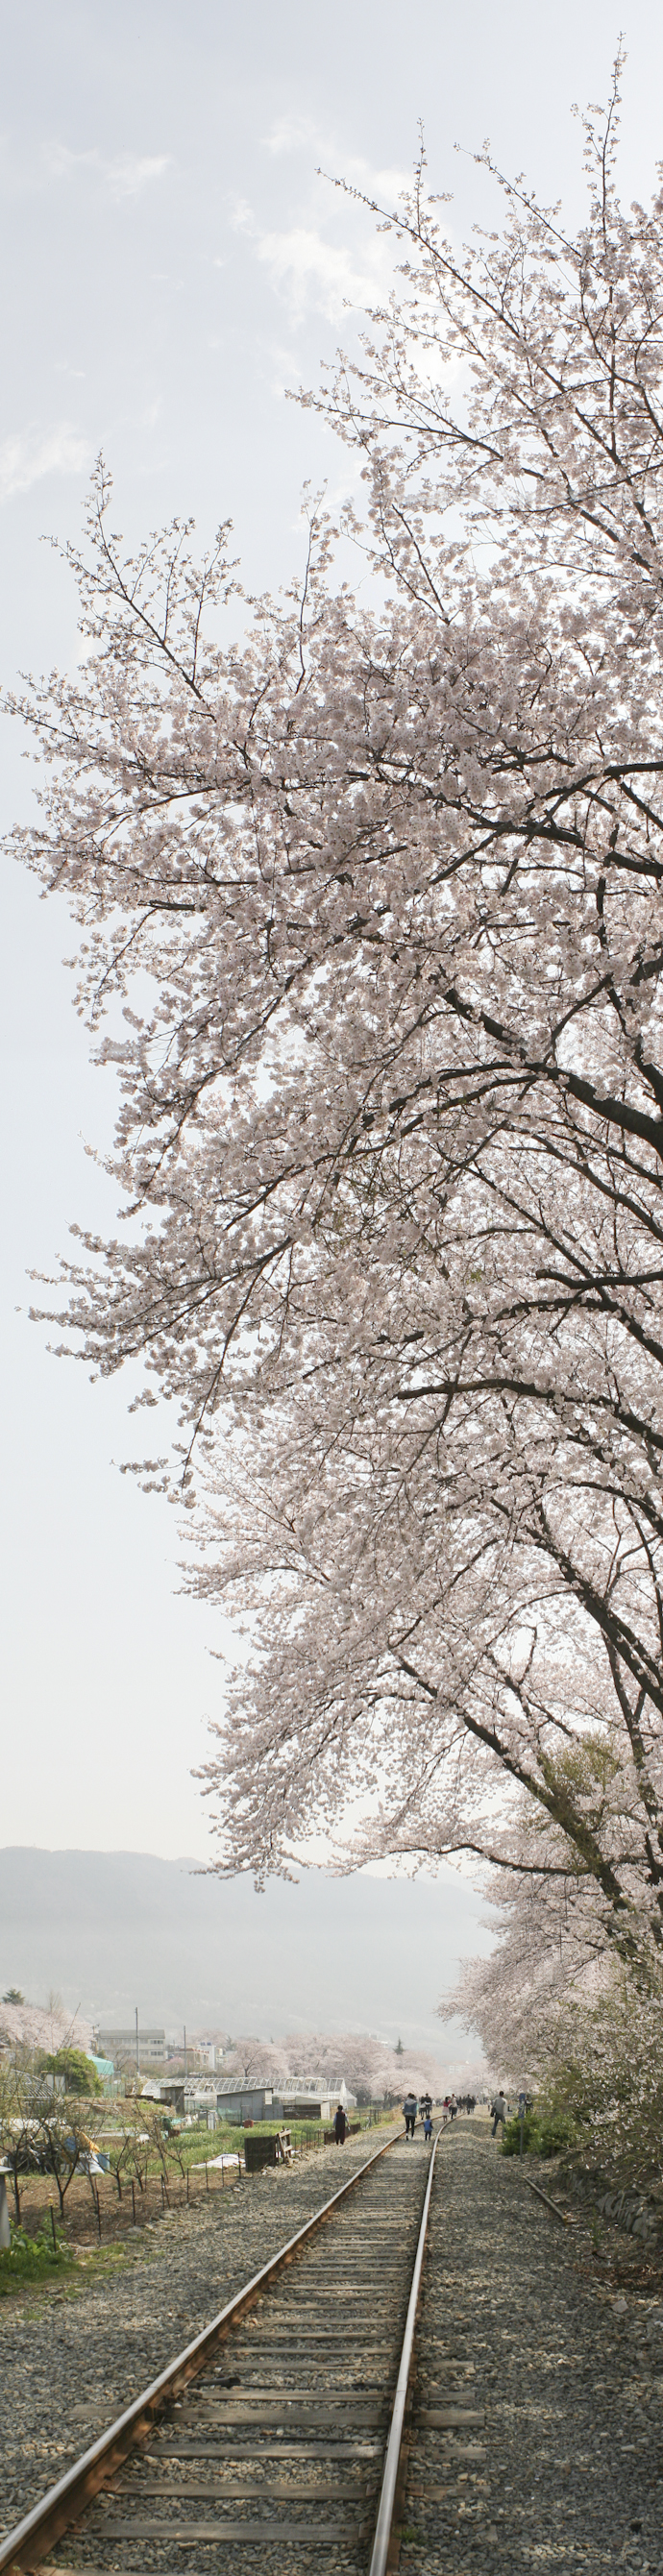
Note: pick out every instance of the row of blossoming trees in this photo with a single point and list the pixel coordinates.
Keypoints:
(374, 2072)
(371, 886)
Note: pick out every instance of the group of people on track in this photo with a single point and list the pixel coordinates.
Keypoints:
(414, 2108)
(450, 2108)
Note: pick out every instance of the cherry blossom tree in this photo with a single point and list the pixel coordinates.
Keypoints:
(551, 1953)
(339, 2055)
(375, 884)
(256, 2061)
(371, 2069)
(559, 2012)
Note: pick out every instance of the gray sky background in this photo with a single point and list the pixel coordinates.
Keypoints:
(170, 263)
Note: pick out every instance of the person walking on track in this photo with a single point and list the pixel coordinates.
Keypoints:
(426, 2114)
(410, 2113)
(340, 2126)
(499, 2110)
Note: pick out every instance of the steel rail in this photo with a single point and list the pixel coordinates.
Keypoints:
(563, 2215)
(37, 2533)
(385, 2513)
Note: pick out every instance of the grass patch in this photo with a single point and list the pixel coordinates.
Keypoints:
(31, 2259)
(194, 2145)
(545, 2133)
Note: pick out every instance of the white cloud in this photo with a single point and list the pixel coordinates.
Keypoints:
(124, 176)
(332, 254)
(312, 271)
(242, 216)
(291, 134)
(127, 175)
(26, 460)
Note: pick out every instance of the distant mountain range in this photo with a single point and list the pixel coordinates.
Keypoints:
(112, 1930)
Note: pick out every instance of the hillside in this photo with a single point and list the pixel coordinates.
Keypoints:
(109, 1930)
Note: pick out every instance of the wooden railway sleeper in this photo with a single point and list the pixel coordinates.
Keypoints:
(37, 2535)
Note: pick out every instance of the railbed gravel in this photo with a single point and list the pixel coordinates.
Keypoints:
(565, 2467)
(567, 2470)
(69, 2364)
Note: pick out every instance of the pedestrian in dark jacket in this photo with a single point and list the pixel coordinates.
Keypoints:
(340, 2126)
(410, 2113)
(499, 2110)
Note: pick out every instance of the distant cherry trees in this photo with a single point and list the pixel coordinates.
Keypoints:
(379, 889)
(371, 2069)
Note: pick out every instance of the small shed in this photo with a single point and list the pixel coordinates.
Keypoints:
(300, 2097)
(105, 2069)
(170, 2091)
(315, 2097)
(240, 2103)
(200, 2099)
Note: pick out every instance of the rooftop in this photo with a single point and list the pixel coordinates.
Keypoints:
(308, 2088)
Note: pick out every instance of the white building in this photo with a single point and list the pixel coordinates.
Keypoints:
(316, 2097)
(132, 2047)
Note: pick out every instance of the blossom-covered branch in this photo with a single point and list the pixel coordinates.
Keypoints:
(391, 1128)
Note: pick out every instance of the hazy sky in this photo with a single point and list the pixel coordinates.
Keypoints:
(171, 262)
(110, 1930)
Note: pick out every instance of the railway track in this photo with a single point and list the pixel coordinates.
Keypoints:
(280, 2431)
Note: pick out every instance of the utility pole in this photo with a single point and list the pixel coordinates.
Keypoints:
(185, 2052)
(137, 2047)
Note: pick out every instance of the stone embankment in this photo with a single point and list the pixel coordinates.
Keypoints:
(641, 2215)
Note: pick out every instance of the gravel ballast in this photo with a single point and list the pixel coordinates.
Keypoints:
(70, 2361)
(563, 2463)
(555, 2381)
